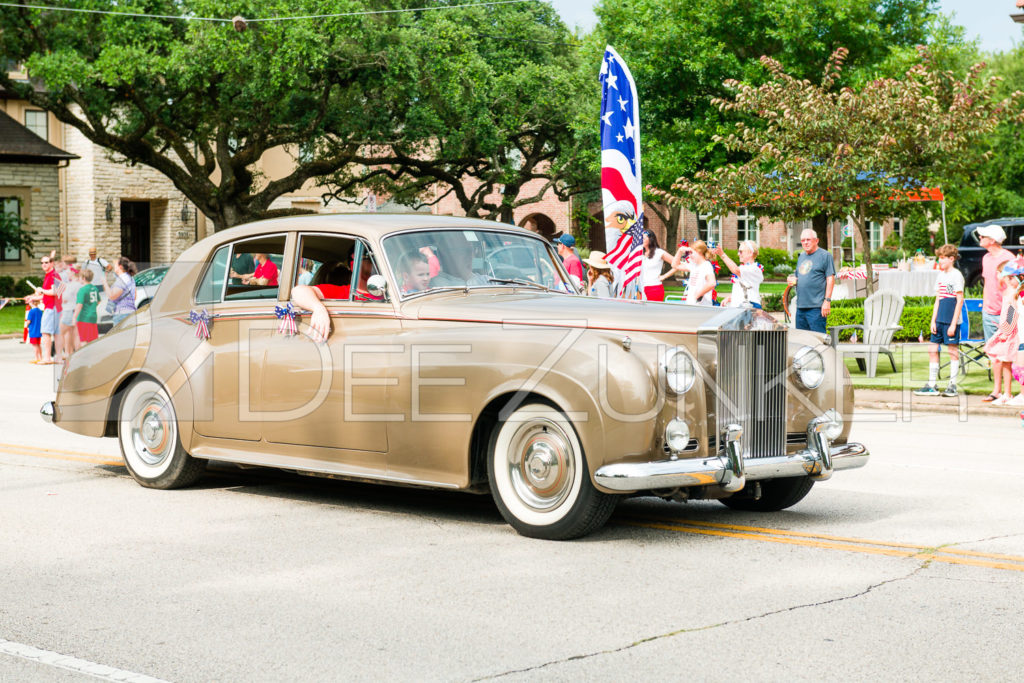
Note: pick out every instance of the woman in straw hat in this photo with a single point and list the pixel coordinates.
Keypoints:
(599, 276)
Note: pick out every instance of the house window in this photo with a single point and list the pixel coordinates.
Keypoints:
(746, 225)
(10, 206)
(36, 122)
(709, 228)
(875, 235)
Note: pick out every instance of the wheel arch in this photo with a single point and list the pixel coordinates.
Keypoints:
(117, 397)
(486, 421)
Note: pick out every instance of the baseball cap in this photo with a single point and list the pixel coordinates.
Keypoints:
(566, 239)
(994, 232)
(1010, 270)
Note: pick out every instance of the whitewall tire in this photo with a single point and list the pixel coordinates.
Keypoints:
(148, 432)
(539, 476)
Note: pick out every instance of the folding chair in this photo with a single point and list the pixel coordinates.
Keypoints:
(972, 349)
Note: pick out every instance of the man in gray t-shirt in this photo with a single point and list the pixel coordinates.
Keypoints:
(814, 278)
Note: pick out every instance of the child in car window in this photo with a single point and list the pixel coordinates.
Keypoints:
(414, 273)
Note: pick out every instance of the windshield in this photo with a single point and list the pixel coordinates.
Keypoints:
(433, 259)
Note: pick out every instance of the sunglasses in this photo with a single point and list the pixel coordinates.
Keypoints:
(45, 262)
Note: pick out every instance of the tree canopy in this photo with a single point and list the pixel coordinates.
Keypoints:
(849, 151)
(202, 102)
(484, 101)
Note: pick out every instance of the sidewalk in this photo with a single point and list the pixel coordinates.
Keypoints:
(883, 400)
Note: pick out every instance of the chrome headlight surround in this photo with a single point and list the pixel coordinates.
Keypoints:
(678, 370)
(809, 367)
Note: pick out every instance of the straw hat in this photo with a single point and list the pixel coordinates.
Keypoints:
(596, 260)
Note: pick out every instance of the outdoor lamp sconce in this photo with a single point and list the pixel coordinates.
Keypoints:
(185, 213)
(109, 211)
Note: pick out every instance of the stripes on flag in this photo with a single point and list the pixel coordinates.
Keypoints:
(627, 254)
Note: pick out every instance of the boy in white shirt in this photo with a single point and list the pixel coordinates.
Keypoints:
(945, 324)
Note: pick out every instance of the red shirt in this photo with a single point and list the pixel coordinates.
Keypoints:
(574, 266)
(334, 291)
(49, 300)
(268, 270)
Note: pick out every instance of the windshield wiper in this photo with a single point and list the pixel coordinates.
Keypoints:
(518, 281)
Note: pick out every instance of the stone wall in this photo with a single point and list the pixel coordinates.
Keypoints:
(37, 185)
(98, 177)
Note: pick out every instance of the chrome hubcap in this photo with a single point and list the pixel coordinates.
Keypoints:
(150, 432)
(541, 464)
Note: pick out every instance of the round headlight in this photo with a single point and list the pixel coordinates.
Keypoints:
(834, 426)
(679, 371)
(677, 435)
(809, 367)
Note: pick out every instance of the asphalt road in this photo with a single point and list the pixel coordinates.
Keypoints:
(909, 569)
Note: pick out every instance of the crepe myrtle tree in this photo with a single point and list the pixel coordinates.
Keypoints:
(849, 152)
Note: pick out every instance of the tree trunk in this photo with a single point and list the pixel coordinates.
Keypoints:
(865, 240)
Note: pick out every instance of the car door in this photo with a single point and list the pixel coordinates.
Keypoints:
(333, 398)
(227, 379)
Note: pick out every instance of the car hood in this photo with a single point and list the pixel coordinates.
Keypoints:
(542, 308)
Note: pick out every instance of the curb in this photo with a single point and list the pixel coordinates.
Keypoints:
(952, 408)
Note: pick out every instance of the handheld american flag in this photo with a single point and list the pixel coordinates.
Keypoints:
(620, 172)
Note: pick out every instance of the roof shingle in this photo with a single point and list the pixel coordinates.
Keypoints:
(19, 144)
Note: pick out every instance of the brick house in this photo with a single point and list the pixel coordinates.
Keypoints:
(30, 189)
(97, 201)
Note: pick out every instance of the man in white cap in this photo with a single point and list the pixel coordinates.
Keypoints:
(991, 238)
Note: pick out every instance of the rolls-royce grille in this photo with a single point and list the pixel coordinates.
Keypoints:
(751, 389)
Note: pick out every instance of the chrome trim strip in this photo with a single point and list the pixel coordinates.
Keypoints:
(662, 474)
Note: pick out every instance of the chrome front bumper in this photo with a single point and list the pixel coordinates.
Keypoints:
(731, 471)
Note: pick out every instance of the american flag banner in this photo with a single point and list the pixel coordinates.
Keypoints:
(621, 190)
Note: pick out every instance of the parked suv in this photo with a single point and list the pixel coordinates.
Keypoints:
(971, 251)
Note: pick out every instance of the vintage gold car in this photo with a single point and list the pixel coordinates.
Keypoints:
(460, 357)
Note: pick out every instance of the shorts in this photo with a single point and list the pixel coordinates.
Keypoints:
(49, 322)
(989, 324)
(33, 340)
(810, 319)
(67, 318)
(655, 292)
(87, 332)
(943, 337)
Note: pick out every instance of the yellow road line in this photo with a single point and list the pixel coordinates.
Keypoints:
(826, 541)
(72, 456)
(62, 451)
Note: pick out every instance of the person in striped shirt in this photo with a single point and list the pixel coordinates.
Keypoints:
(945, 325)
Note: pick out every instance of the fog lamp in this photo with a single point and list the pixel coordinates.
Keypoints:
(677, 435)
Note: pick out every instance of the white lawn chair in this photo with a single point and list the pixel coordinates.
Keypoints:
(882, 311)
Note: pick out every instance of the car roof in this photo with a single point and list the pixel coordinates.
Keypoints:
(371, 225)
(994, 221)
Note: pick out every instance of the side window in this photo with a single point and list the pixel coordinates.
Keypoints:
(1014, 235)
(328, 262)
(255, 268)
(212, 283)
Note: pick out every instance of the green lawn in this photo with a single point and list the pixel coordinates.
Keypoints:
(976, 380)
(724, 288)
(12, 318)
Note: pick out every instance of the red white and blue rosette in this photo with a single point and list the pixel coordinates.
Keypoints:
(286, 314)
(201, 319)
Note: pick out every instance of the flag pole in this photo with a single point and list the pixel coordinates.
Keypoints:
(945, 236)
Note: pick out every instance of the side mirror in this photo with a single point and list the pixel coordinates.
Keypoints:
(377, 285)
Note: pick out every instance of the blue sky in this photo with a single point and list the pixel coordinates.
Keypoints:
(987, 19)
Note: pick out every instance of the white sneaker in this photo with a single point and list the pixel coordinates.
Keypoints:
(1017, 400)
(1001, 401)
